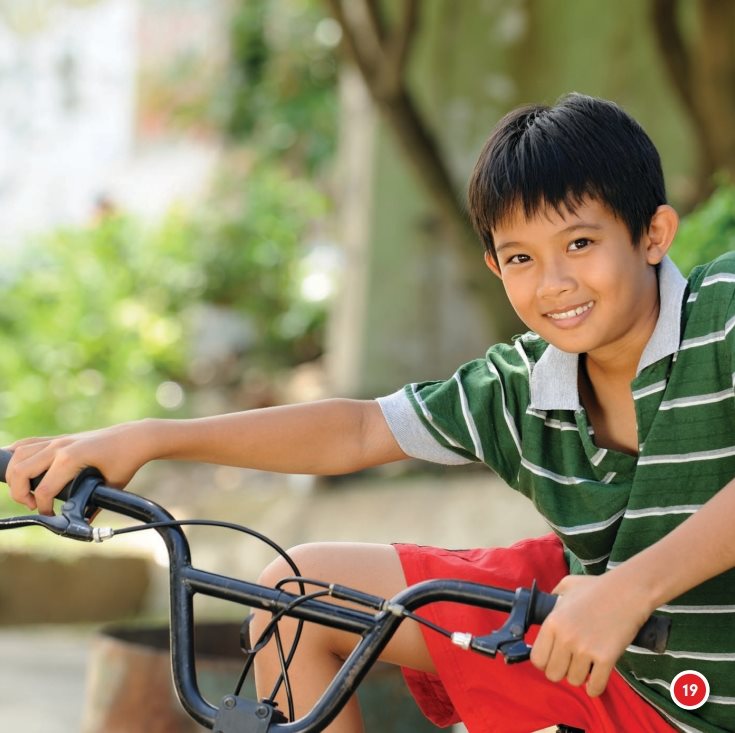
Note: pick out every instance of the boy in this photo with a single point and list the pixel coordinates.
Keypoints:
(615, 414)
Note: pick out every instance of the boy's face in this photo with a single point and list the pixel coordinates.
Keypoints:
(578, 281)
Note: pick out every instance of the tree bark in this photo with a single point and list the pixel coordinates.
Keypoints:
(381, 53)
(702, 73)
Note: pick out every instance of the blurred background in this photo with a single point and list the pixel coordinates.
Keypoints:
(211, 205)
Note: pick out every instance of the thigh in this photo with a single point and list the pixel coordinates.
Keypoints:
(372, 568)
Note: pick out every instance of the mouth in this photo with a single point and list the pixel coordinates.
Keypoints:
(571, 313)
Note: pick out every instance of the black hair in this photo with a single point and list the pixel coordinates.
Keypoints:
(539, 156)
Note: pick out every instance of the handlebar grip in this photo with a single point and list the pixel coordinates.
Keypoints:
(653, 635)
(6, 455)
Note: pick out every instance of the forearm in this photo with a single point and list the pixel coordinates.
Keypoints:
(597, 616)
(700, 548)
(326, 437)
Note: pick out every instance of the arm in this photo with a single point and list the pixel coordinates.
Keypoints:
(598, 617)
(325, 437)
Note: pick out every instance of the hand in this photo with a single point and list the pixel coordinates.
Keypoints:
(117, 452)
(593, 622)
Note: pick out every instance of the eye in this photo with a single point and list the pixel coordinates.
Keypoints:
(517, 260)
(579, 244)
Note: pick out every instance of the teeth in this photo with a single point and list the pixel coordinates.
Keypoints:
(571, 313)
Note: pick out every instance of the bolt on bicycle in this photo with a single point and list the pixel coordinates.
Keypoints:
(375, 625)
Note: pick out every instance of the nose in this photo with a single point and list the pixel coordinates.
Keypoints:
(554, 280)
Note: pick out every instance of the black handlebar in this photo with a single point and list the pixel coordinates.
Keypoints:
(525, 607)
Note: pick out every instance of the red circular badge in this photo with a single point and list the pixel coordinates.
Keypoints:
(690, 689)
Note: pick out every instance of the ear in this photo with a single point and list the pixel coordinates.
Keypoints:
(492, 264)
(660, 234)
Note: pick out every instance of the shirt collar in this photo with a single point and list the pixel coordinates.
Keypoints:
(554, 376)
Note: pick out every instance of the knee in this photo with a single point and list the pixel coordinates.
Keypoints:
(279, 568)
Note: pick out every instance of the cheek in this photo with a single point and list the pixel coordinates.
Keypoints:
(520, 296)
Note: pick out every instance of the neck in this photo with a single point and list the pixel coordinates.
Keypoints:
(620, 367)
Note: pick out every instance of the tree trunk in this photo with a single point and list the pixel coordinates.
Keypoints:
(381, 54)
(702, 71)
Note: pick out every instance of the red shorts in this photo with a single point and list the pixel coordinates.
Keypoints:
(487, 694)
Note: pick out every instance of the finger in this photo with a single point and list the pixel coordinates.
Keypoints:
(541, 649)
(44, 496)
(61, 470)
(558, 665)
(22, 451)
(19, 484)
(20, 492)
(598, 678)
(27, 463)
(27, 442)
(579, 670)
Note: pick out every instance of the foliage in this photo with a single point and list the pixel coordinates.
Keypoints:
(280, 95)
(180, 95)
(88, 326)
(93, 321)
(251, 245)
(708, 231)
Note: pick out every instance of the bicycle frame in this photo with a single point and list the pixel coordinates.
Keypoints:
(236, 715)
(376, 630)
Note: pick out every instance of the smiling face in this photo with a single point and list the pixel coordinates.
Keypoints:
(577, 279)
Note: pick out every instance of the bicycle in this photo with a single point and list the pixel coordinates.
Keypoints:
(87, 494)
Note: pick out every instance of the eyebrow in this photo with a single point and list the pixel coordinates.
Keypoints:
(567, 230)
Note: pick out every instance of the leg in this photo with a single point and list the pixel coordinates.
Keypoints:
(374, 569)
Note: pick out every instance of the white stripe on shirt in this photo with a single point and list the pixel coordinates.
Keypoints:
(469, 420)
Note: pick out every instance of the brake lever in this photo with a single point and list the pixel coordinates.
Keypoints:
(508, 640)
(77, 509)
(76, 512)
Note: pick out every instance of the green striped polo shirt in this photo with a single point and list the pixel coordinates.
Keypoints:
(518, 411)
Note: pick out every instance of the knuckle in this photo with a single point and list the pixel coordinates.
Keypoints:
(64, 457)
(44, 492)
(17, 486)
(20, 452)
(584, 651)
(17, 494)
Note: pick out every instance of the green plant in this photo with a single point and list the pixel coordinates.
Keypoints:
(708, 231)
(252, 243)
(89, 326)
(93, 321)
(280, 94)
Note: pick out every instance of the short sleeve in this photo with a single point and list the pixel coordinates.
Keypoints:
(712, 304)
(473, 416)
